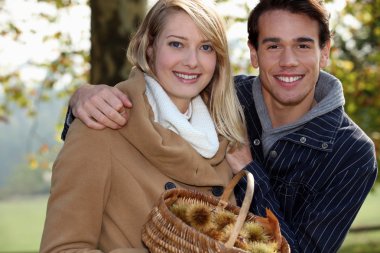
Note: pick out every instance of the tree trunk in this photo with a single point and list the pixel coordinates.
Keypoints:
(112, 25)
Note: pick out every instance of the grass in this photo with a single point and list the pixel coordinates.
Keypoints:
(21, 224)
(365, 242)
(22, 219)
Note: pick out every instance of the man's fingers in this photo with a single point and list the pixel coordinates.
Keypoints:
(91, 114)
(119, 102)
(100, 104)
(123, 98)
(110, 113)
(89, 120)
(126, 102)
(100, 118)
(95, 125)
(91, 123)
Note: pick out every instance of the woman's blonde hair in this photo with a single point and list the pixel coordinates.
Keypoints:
(220, 94)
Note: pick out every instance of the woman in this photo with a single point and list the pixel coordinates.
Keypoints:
(185, 114)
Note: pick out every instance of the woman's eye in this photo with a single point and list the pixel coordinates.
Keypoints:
(175, 44)
(208, 48)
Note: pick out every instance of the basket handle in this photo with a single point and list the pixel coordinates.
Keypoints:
(244, 209)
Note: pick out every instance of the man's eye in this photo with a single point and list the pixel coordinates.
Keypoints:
(304, 46)
(175, 44)
(272, 46)
(208, 48)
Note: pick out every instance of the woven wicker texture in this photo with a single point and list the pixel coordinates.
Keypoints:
(164, 232)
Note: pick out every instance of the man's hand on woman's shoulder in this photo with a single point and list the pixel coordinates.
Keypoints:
(100, 106)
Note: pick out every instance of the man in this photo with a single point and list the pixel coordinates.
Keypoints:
(312, 165)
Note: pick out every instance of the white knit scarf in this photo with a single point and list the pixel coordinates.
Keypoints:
(196, 126)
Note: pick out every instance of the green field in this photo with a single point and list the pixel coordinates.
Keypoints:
(21, 224)
(369, 215)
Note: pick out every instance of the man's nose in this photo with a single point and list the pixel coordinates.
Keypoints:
(288, 58)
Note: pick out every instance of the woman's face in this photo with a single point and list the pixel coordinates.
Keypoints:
(183, 59)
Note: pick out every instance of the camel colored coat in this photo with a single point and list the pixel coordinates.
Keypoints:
(105, 182)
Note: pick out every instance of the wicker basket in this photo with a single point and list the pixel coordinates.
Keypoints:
(164, 232)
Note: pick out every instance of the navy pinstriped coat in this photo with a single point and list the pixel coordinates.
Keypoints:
(314, 179)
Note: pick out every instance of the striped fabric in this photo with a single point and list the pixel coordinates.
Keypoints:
(315, 179)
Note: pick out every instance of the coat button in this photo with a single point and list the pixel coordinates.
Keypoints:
(170, 185)
(256, 142)
(273, 154)
(217, 191)
(303, 140)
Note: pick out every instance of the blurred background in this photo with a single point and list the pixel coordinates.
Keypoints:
(48, 48)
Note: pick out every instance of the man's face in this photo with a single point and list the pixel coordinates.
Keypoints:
(289, 59)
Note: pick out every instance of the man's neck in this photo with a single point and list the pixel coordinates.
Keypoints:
(281, 115)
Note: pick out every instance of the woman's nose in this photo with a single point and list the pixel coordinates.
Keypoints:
(191, 58)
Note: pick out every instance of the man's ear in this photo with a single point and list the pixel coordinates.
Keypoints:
(253, 55)
(325, 55)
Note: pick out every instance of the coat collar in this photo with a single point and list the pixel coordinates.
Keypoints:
(324, 125)
(166, 150)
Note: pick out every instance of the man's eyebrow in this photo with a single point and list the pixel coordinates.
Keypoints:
(305, 39)
(270, 39)
(276, 40)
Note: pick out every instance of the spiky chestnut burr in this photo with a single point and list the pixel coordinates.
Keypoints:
(223, 218)
(199, 217)
(254, 232)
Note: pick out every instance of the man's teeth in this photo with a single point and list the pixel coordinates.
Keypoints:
(288, 79)
(188, 77)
